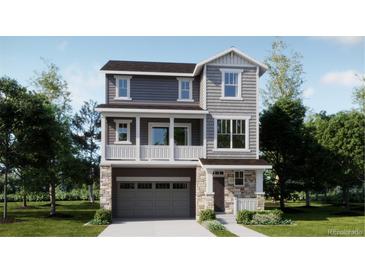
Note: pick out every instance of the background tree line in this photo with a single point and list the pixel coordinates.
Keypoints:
(43, 146)
(309, 153)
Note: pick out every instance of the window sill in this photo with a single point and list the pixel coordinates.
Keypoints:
(231, 98)
(231, 150)
(185, 100)
(123, 143)
(239, 186)
(123, 98)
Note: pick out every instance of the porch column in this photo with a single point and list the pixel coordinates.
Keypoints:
(103, 137)
(171, 138)
(209, 185)
(205, 136)
(259, 181)
(138, 140)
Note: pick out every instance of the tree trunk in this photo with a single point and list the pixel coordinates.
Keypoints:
(24, 199)
(5, 213)
(346, 196)
(52, 198)
(307, 198)
(282, 193)
(91, 193)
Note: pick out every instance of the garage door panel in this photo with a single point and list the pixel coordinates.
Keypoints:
(153, 199)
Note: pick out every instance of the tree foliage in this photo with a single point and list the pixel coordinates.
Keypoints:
(285, 74)
(359, 95)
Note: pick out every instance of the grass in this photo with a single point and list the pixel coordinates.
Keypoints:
(319, 220)
(35, 220)
(223, 233)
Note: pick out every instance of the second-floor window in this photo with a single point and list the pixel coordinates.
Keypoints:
(185, 89)
(231, 84)
(231, 134)
(122, 87)
(159, 134)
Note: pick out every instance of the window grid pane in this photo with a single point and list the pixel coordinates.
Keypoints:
(123, 88)
(185, 89)
(123, 132)
(230, 84)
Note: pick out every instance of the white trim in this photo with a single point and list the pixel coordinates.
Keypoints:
(237, 167)
(120, 77)
(257, 114)
(200, 64)
(148, 164)
(172, 138)
(190, 80)
(167, 125)
(140, 111)
(117, 123)
(153, 179)
(205, 87)
(239, 84)
(138, 138)
(146, 73)
(103, 136)
(246, 118)
(259, 181)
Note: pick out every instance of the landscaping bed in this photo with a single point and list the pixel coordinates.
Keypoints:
(207, 219)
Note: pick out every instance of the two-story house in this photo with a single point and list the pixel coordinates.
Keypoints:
(180, 137)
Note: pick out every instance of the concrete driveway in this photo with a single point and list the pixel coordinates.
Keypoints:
(155, 228)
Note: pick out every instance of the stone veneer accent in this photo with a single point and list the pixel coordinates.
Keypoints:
(203, 201)
(260, 199)
(106, 187)
(231, 191)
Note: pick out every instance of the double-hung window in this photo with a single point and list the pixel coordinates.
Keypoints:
(159, 134)
(231, 133)
(122, 87)
(185, 89)
(239, 178)
(231, 84)
(122, 130)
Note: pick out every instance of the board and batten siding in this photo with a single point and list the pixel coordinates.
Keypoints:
(159, 89)
(196, 129)
(217, 106)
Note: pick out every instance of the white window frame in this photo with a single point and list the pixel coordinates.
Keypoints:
(117, 123)
(190, 80)
(243, 178)
(153, 124)
(120, 77)
(231, 118)
(239, 84)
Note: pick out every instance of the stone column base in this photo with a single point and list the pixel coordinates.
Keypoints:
(106, 187)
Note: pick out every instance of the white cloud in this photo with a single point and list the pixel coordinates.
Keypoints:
(84, 84)
(344, 40)
(308, 92)
(348, 78)
(62, 45)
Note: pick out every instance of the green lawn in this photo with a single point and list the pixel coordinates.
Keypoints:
(319, 220)
(35, 220)
(223, 233)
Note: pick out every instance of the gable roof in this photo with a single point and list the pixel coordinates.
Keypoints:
(172, 69)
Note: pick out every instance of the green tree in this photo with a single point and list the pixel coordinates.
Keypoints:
(86, 135)
(359, 95)
(281, 128)
(285, 74)
(343, 135)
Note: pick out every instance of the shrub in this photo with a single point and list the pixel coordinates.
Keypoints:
(102, 217)
(214, 225)
(206, 215)
(244, 217)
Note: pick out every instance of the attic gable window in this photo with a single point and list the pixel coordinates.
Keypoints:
(122, 84)
(231, 84)
(185, 89)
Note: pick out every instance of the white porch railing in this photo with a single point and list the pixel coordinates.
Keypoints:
(244, 204)
(189, 152)
(155, 152)
(120, 152)
(150, 152)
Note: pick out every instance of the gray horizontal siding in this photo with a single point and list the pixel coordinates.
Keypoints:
(151, 88)
(196, 129)
(216, 106)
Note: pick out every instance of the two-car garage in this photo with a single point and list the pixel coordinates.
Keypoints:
(158, 193)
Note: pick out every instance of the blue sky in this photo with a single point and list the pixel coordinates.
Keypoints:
(329, 62)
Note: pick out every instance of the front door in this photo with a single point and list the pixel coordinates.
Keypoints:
(218, 188)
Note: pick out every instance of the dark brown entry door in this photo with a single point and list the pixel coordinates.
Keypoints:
(218, 188)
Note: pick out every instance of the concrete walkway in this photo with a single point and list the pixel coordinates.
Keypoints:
(229, 221)
(155, 228)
